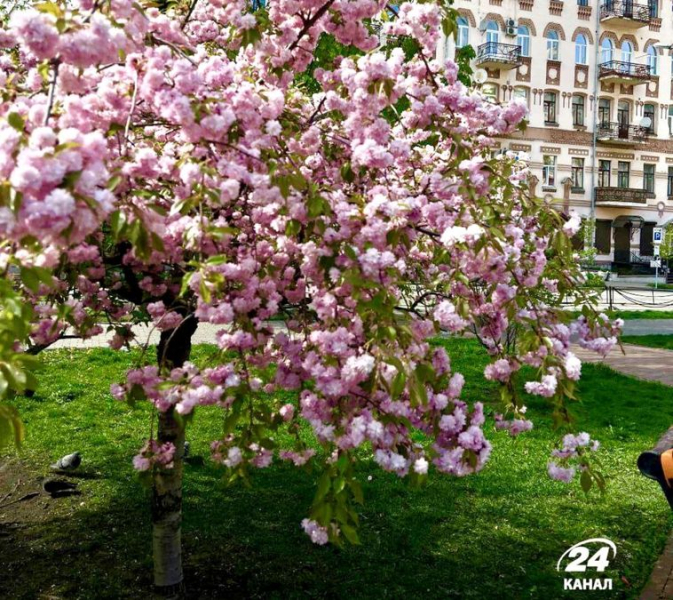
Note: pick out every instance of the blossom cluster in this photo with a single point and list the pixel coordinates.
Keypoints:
(573, 455)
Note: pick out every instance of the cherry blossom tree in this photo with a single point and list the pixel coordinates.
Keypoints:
(175, 168)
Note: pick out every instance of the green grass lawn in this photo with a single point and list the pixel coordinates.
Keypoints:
(497, 534)
(654, 341)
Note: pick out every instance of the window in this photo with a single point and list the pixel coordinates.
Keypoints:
(670, 182)
(604, 110)
(652, 60)
(577, 173)
(521, 94)
(627, 51)
(648, 178)
(607, 50)
(523, 40)
(549, 107)
(490, 90)
(578, 110)
(648, 113)
(654, 8)
(582, 2)
(552, 45)
(549, 171)
(581, 50)
(623, 117)
(603, 236)
(463, 33)
(623, 174)
(492, 33)
(670, 121)
(604, 167)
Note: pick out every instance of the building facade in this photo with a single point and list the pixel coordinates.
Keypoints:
(597, 77)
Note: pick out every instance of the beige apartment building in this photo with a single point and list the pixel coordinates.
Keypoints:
(597, 77)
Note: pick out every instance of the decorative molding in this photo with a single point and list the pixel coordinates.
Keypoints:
(523, 72)
(628, 37)
(584, 13)
(607, 87)
(522, 147)
(554, 27)
(582, 76)
(469, 16)
(550, 150)
(555, 7)
(655, 24)
(617, 155)
(553, 72)
(609, 35)
(526, 5)
(625, 89)
(584, 31)
(578, 152)
(495, 2)
(493, 73)
(528, 23)
(652, 88)
(496, 18)
(649, 158)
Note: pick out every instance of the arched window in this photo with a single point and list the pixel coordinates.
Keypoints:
(581, 49)
(490, 91)
(627, 51)
(549, 107)
(652, 60)
(578, 110)
(649, 118)
(521, 94)
(492, 33)
(552, 45)
(623, 113)
(523, 40)
(463, 38)
(607, 50)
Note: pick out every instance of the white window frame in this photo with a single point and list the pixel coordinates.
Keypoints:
(581, 49)
(549, 171)
(552, 45)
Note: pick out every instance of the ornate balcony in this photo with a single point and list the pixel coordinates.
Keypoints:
(618, 71)
(619, 134)
(625, 14)
(616, 196)
(493, 55)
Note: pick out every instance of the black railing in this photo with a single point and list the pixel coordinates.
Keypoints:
(502, 53)
(619, 194)
(620, 132)
(626, 10)
(620, 68)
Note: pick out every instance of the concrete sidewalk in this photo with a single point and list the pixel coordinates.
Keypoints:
(651, 364)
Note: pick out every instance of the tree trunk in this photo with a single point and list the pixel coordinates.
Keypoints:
(173, 351)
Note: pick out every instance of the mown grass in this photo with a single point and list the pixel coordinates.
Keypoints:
(494, 535)
(653, 340)
(631, 315)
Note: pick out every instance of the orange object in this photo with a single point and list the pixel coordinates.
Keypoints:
(667, 466)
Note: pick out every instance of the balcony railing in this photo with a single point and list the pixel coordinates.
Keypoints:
(620, 133)
(624, 71)
(620, 9)
(620, 195)
(499, 55)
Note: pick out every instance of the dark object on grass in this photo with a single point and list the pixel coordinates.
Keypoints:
(657, 464)
(68, 463)
(185, 454)
(58, 488)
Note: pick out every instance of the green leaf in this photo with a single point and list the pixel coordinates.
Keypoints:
(350, 533)
(16, 121)
(324, 485)
(586, 481)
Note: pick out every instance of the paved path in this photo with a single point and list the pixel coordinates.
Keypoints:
(652, 364)
(648, 326)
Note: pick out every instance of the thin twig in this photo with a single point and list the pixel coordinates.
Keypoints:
(311, 22)
(192, 6)
(52, 92)
(133, 107)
